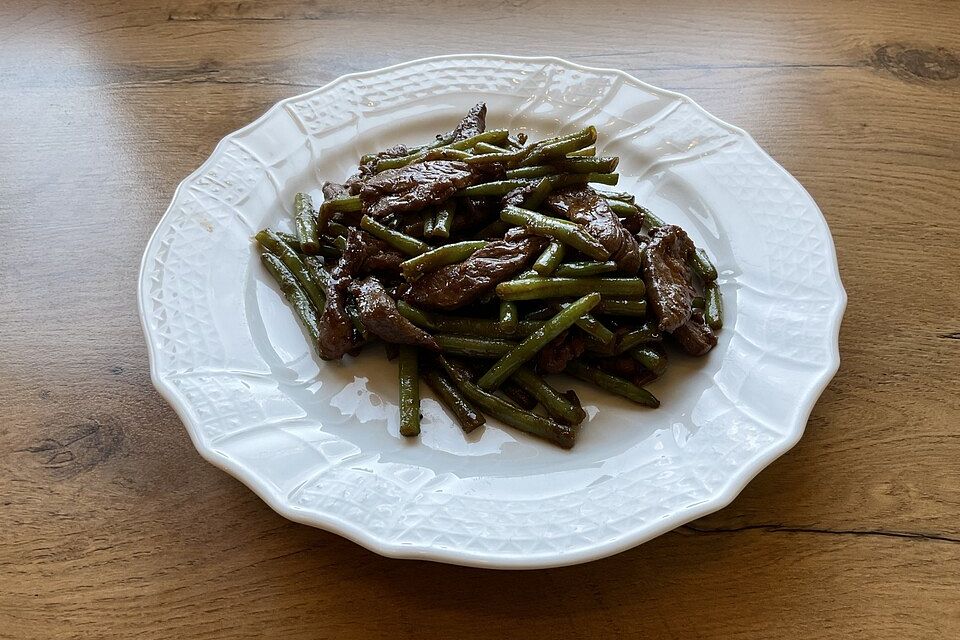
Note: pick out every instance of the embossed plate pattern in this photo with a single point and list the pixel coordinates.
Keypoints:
(319, 441)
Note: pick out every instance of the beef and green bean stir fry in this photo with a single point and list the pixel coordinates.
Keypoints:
(484, 262)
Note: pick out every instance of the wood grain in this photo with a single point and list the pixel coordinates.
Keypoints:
(111, 526)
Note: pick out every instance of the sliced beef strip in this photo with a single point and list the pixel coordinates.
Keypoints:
(334, 190)
(337, 336)
(668, 277)
(378, 313)
(518, 195)
(695, 336)
(475, 122)
(554, 357)
(416, 186)
(456, 285)
(365, 253)
(585, 206)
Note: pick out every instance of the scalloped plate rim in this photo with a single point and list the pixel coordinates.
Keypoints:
(331, 523)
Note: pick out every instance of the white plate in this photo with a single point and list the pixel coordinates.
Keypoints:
(319, 442)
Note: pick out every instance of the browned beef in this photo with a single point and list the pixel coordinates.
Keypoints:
(416, 186)
(695, 335)
(667, 275)
(365, 253)
(473, 123)
(336, 330)
(378, 313)
(456, 285)
(585, 206)
(518, 195)
(334, 190)
(554, 357)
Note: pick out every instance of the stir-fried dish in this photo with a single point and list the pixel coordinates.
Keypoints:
(484, 263)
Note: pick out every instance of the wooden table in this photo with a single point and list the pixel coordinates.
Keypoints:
(111, 526)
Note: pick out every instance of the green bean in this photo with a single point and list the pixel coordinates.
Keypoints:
(699, 302)
(562, 407)
(340, 243)
(583, 269)
(443, 219)
(486, 147)
(495, 188)
(551, 257)
(397, 240)
(336, 229)
(651, 220)
(533, 343)
(714, 309)
(508, 317)
(409, 392)
(272, 243)
(622, 307)
(493, 136)
(317, 273)
(428, 222)
(585, 152)
(646, 334)
(435, 153)
(294, 293)
(560, 148)
(354, 314)
(513, 157)
(622, 196)
(518, 141)
(623, 209)
(701, 264)
(562, 435)
(325, 250)
(417, 316)
(306, 223)
(595, 328)
(653, 359)
(495, 229)
(611, 383)
(571, 165)
(562, 230)
(536, 197)
(346, 204)
(537, 288)
(440, 257)
(464, 412)
(572, 179)
(474, 347)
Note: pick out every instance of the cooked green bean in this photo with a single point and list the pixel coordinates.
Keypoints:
(513, 157)
(428, 222)
(701, 264)
(571, 179)
(611, 383)
(551, 257)
(517, 141)
(714, 309)
(436, 153)
(622, 307)
(623, 209)
(317, 273)
(563, 408)
(272, 243)
(340, 243)
(495, 188)
(443, 220)
(440, 257)
(585, 152)
(583, 269)
(653, 359)
(486, 147)
(536, 197)
(346, 204)
(493, 136)
(559, 434)
(294, 293)
(325, 250)
(466, 415)
(397, 240)
(335, 229)
(305, 219)
(699, 302)
(562, 230)
(495, 229)
(537, 288)
(622, 196)
(532, 344)
(565, 165)
(649, 220)
(595, 328)
(417, 316)
(509, 317)
(646, 334)
(409, 392)
(560, 148)
(474, 347)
